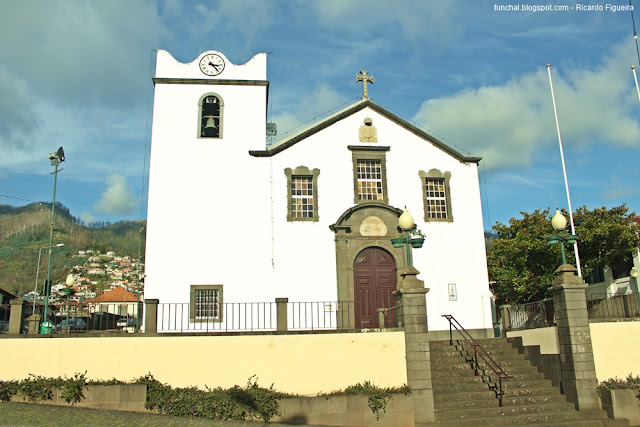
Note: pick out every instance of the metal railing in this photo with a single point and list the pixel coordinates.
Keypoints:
(388, 317)
(478, 352)
(75, 317)
(230, 317)
(5, 311)
(257, 317)
(603, 306)
(539, 314)
(324, 315)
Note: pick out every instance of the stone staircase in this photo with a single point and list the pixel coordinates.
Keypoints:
(461, 398)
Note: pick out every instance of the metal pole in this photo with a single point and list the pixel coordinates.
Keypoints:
(407, 242)
(53, 207)
(35, 289)
(633, 68)
(564, 170)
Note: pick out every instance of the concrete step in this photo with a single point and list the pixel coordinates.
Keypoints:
(482, 395)
(444, 378)
(461, 398)
(483, 412)
(546, 420)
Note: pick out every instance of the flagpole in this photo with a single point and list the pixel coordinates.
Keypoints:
(564, 170)
(633, 68)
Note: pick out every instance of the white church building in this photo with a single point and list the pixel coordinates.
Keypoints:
(309, 218)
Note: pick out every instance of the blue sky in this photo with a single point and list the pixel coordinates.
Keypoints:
(78, 75)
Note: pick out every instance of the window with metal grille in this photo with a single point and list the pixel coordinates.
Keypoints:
(302, 196)
(207, 304)
(436, 196)
(369, 177)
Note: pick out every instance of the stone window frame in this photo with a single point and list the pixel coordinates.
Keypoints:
(220, 116)
(192, 305)
(359, 152)
(302, 171)
(435, 173)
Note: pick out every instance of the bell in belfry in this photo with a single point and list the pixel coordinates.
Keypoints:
(210, 128)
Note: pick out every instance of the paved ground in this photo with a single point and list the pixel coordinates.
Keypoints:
(32, 414)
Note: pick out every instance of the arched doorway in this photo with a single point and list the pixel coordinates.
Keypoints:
(374, 280)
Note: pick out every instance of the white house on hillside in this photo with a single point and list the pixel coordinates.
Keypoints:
(309, 218)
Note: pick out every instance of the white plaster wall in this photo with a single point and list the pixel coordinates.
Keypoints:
(209, 208)
(453, 252)
(210, 204)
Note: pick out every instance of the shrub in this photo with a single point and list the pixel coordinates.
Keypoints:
(377, 397)
(7, 390)
(236, 403)
(630, 382)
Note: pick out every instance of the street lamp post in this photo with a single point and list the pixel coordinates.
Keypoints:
(634, 275)
(68, 291)
(55, 158)
(35, 289)
(559, 223)
(406, 224)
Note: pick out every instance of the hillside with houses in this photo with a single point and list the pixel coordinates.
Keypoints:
(101, 256)
(97, 274)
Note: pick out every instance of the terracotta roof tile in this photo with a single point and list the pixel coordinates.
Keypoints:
(118, 294)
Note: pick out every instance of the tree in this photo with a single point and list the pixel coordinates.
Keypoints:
(522, 264)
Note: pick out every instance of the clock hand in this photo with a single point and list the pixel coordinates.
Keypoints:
(214, 65)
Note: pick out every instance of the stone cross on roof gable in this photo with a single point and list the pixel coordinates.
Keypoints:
(364, 78)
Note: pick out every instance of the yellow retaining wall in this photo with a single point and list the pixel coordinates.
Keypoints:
(304, 364)
(546, 338)
(616, 349)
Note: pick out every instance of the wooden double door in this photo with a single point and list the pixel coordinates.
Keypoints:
(375, 279)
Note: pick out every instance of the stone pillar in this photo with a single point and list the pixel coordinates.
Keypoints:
(412, 316)
(574, 339)
(505, 318)
(281, 314)
(34, 323)
(151, 316)
(381, 318)
(15, 316)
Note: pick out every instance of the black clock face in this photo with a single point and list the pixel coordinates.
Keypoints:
(212, 64)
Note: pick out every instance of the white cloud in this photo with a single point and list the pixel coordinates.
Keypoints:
(85, 52)
(508, 124)
(117, 198)
(618, 189)
(240, 21)
(418, 21)
(87, 217)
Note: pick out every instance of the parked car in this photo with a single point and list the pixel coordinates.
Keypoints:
(126, 321)
(73, 324)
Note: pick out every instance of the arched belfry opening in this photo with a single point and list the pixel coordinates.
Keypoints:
(367, 264)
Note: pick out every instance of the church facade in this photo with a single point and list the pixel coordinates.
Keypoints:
(309, 218)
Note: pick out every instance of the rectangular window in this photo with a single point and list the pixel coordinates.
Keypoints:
(436, 195)
(436, 198)
(302, 196)
(206, 303)
(369, 177)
